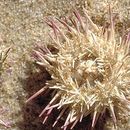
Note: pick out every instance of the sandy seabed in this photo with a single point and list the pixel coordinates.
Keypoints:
(22, 26)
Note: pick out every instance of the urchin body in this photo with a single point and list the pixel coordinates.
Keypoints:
(90, 71)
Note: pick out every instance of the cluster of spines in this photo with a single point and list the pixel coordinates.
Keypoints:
(90, 71)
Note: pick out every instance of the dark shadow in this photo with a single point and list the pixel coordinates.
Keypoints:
(30, 111)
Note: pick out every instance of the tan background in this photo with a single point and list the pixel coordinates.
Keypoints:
(21, 27)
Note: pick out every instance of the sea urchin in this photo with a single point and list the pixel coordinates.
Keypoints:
(90, 70)
(3, 56)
